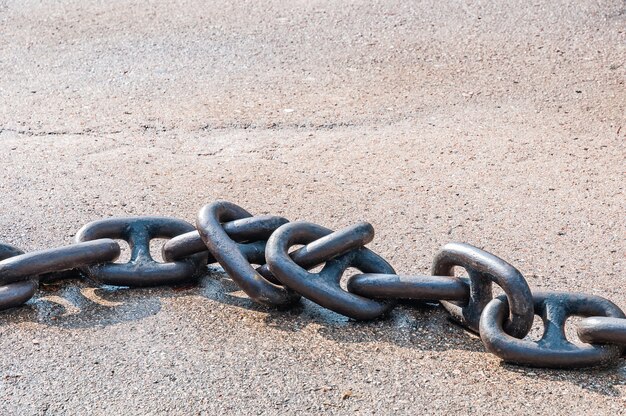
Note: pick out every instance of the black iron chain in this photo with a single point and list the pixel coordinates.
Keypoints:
(231, 236)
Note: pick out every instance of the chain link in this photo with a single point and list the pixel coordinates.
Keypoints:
(141, 270)
(323, 287)
(425, 288)
(226, 251)
(483, 269)
(231, 236)
(603, 330)
(15, 294)
(553, 349)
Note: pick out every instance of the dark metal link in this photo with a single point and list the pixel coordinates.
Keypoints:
(553, 349)
(250, 229)
(15, 294)
(142, 269)
(393, 286)
(26, 266)
(253, 252)
(18, 274)
(326, 248)
(228, 253)
(230, 235)
(484, 268)
(602, 330)
(324, 287)
(8, 250)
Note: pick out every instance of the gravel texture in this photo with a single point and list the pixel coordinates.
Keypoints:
(501, 125)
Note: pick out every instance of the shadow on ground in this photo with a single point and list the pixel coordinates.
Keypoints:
(78, 304)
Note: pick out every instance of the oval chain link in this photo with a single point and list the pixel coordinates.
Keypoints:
(393, 286)
(484, 269)
(323, 287)
(19, 272)
(603, 330)
(18, 293)
(230, 235)
(553, 349)
(141, 270)
(246, 230)
(226, 251)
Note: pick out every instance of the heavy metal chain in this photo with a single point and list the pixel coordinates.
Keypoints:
(231, 236)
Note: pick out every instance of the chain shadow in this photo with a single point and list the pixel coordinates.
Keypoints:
(412, 325)
(77, 304)
(597, 380)
(408, 325)
(415, 325)
(419, 326)
(74, 302)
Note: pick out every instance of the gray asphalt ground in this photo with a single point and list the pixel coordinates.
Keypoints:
(501, 124)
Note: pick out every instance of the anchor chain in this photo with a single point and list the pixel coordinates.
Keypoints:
(257, 253)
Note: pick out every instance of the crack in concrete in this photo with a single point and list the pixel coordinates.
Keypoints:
(143, 128)
(31, 133)
(278, 126)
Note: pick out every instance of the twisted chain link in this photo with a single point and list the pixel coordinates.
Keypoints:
(231, 236)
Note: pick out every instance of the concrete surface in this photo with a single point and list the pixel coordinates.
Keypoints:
(501, 125)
